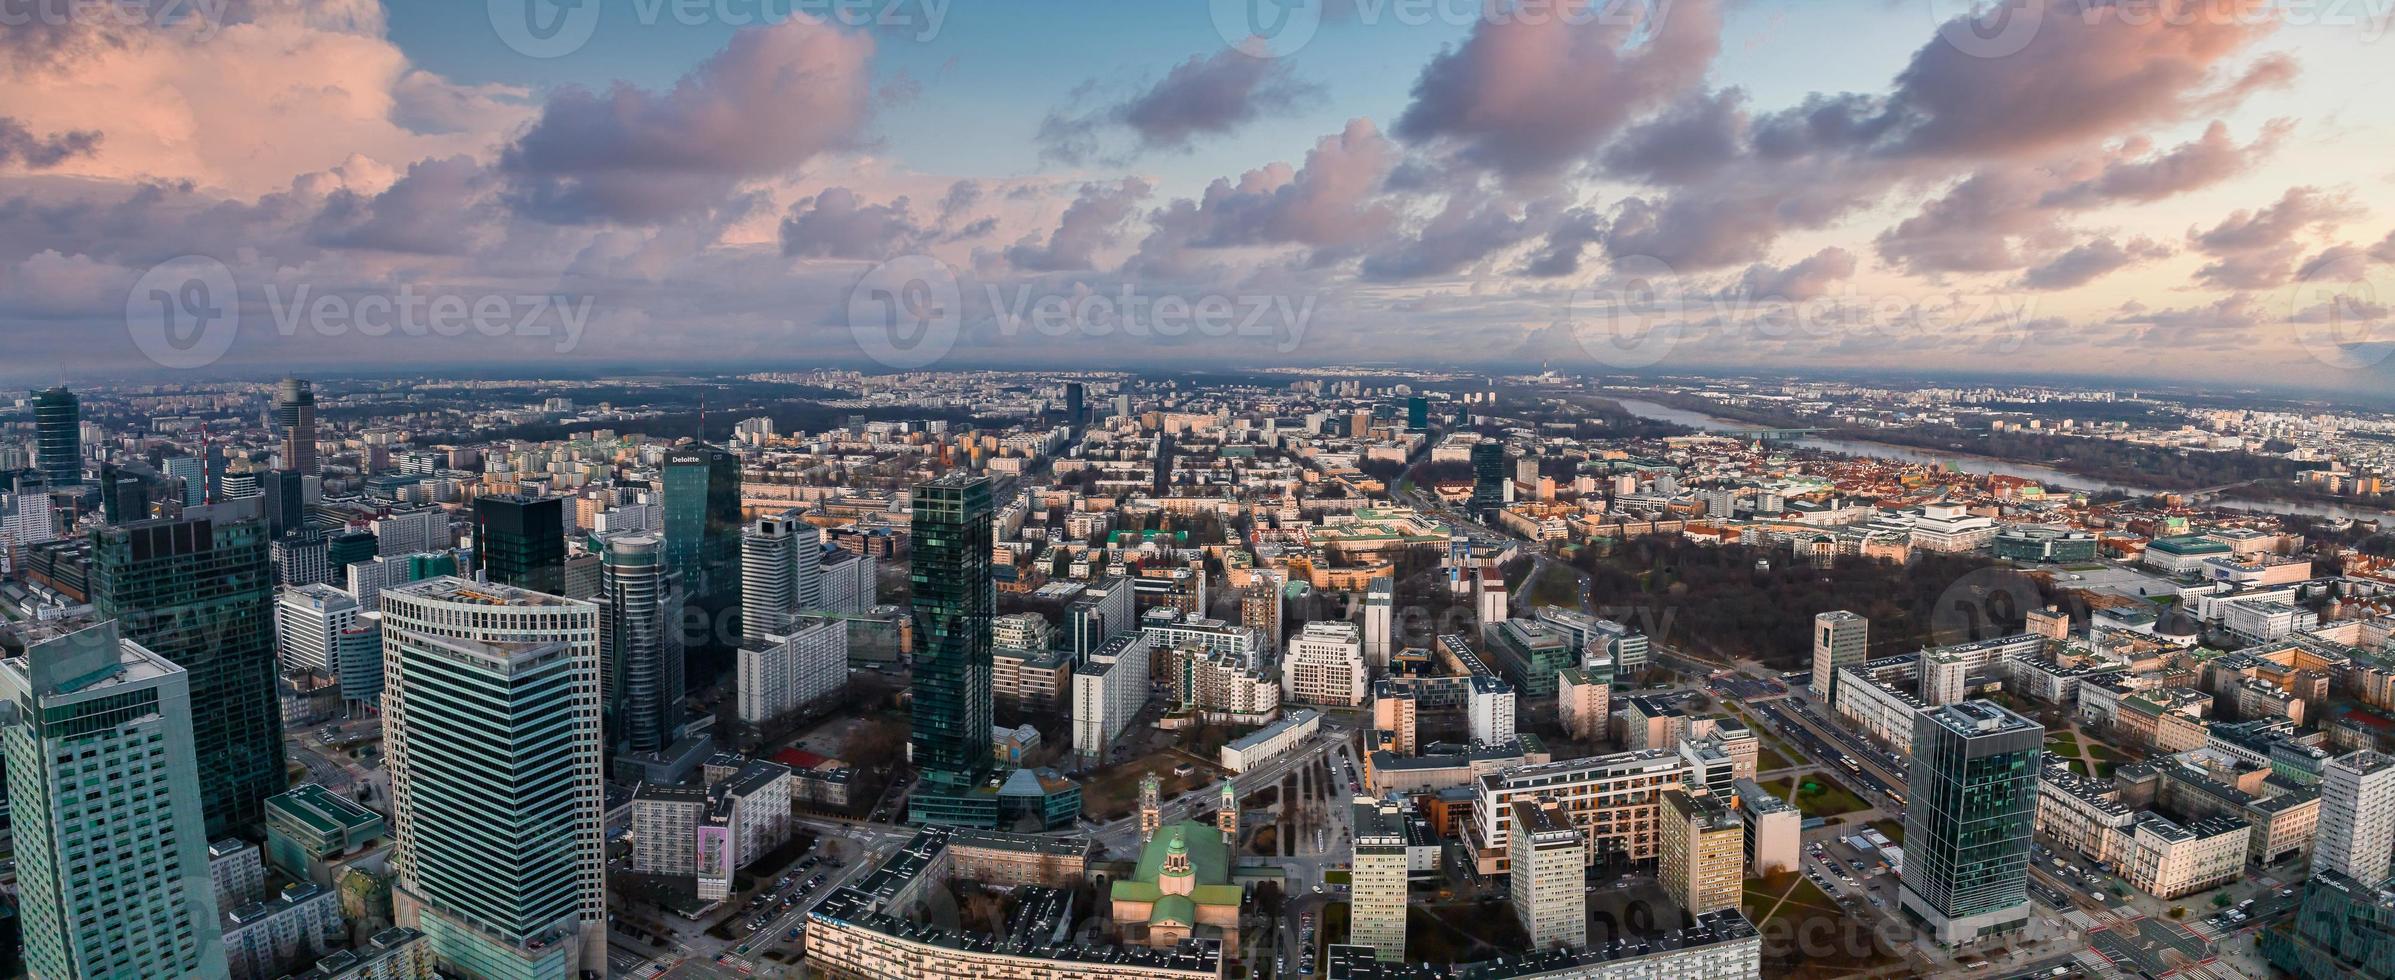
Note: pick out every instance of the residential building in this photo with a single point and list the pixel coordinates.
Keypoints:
(1549, 875)
(1109, 687)
(1324, 665)
(1378, 898)
(782, 675)
(1704, 851)
(2356, 836)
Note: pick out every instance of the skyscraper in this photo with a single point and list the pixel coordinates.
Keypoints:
(295, 416)
(1075, 404)
(781, 571)
(1967, 828)
(286, 493)
(1380, 873)
(124, 497)
(1702, 861)
(201, 593)
(954, 601)
(1417, 413)
(520, 541)
(58, 436)
(640, 641)
(2357, 818)
(112, 862)
(1840, 639)
(1549, 857)
(1488, 477)
(491, 718)
(194, 475)
(702, 522)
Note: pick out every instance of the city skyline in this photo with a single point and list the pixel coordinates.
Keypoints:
(1374, 182)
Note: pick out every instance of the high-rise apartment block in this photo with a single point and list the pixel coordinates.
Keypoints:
(1549, 876)
(1704, 852)
(1379, 881)
(2356, 836)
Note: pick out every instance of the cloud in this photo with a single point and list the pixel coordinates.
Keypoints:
(772, 99)
(1530, 97)
(2257, 249)
(1331, 203)
(1567, 239)
(1203, 96)
(2209, 159)
(1471, 226)
(1688, 140)
(1807, 278)
(839, 224)
(2089, 261)
(19, 145)
(441, 207)
(1094, 221)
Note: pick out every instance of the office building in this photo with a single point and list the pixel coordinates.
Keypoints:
(1840, 639)
(311, 829)
(786, 675)
(954, 602)
(1704, 851)
(308, 623)
(1549, 877)
(295, 419)
(1325, 665)
(201, 593)
(113, 882)
(781, 559)
(520, 541)
(2356, 834)
(192, 476)
(1489, 478)
(641, 644)
(1075, 405)
(1774, 829)
(1378, 899)
(1380, 601)
(1969, 820)
(58, 437)
(702, 522)
(492, 722)
(1417, 413)
(266, 938)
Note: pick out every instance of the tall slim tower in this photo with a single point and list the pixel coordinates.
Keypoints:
(781, 574)
(1549, 858)
(58, 436)
(1840, 639)
(954, 602)
(1967, 829)
(1380, 602)
(1151, 806)
(1379, 877)
(702, 522)
(491, 718)
(201, 594)
(2357, 818)
(641, 642)
(520, 541)
(295, 415)
(112, 882)
(1488, 478)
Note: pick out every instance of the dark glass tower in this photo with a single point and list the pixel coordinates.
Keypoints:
(520, 541)
(295, 414)
(1075, 403)
(1967, 829)
(58, 437)
(286, 501)
(1417, 414)
(702, 522)
(640, 644)
(1488, 477)
(347, 548)
(954, 603)
(124, 497)
(201, 594)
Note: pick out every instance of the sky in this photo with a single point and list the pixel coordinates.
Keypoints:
(2194, 191)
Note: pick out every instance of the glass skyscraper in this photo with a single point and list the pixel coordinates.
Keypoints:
(521, 541)
(491, 718)
(1488, 477)
(1967, 829)
(201, 593)
(702, 522)
(640, 641)
(295, 415)
(112, 866)
(954, 602)
(58, 436)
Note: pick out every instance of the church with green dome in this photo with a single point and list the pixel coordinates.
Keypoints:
(1181, 889)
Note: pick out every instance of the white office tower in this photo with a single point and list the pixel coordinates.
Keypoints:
(112, 858)
(782, 675)
(491, 718)
(2357, 818)
(405, 532)
(1840, 639)
(1488, 596)
(1549, 858)
(308, 622)
(781, 561)
(1380, 604)
(1325, 665)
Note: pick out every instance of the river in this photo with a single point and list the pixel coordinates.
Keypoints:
(1969, 463)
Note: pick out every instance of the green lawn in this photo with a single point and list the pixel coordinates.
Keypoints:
(2103, 753)
(1770, 758)
(1816, 795)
